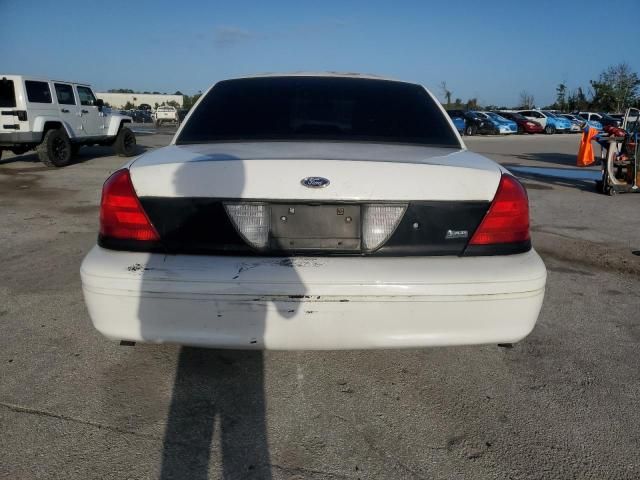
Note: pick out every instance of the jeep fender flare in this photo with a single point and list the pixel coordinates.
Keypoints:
(43, 123)
(115, 124)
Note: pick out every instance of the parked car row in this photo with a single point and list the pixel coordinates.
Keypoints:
(505, 122)
(163, 114)
(138, 116)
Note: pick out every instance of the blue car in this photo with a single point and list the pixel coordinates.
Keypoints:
(562, 124)
(502, 125)
(460, 124)
(581, 122)
(510, 124)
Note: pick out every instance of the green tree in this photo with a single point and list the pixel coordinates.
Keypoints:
(129, 106)
(616, 88)
(188, 101)
(577, 100)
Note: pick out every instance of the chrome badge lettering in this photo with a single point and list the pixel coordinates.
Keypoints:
(453, 234)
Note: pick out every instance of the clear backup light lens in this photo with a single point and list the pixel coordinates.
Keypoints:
(378, 223)
(253, 221)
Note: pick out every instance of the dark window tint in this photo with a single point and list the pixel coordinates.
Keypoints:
(7, 94)
(64, 93)
(38, 92)
(314, 108)
(86, 96)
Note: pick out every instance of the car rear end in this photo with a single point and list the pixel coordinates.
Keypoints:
(530, 126)
(337, 235)
(166, 114)
(14, 120)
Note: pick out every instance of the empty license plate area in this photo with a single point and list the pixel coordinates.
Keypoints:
(315, 227)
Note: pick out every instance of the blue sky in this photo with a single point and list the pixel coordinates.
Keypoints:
(487, 49)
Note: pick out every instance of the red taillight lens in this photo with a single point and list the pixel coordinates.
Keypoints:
(121, 215)
(507, 220)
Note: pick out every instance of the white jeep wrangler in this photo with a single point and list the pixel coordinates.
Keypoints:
(57, 118)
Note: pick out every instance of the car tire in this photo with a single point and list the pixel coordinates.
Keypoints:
(75, 148)
(125, 143)
(55, 149)
(549, 129)
(520, 130)
(470, 130)
(158, 123)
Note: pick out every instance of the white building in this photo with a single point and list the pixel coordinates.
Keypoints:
(119, 100)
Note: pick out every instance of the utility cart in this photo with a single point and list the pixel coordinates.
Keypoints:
(620, 158)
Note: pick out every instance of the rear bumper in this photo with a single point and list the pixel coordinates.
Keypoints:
(313, 302)
(8, 139)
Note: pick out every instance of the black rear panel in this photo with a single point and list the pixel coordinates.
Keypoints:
(194, 225)
(202, 226)
(435, 228)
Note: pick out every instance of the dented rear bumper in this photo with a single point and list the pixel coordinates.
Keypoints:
(313, 302)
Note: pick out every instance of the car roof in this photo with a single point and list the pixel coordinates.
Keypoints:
(43, 79)
(329, 74)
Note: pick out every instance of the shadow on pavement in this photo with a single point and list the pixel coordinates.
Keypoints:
(582, 179)
(218, 385)
(563, 159)
(213, 387)
(85, 154)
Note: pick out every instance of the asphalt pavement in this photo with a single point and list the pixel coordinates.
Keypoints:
(561, 404)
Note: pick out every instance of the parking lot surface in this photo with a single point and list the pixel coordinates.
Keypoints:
(563, 403)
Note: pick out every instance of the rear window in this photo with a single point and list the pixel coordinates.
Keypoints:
(38, 92)
(7, 94)
(313, 108)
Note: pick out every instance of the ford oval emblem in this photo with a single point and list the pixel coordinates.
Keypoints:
(315, 182)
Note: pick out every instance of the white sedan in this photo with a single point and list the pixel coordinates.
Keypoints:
(314, 211)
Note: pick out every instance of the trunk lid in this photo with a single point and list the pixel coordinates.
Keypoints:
(356, 172)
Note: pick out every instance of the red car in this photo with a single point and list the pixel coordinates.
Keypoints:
(524, 124)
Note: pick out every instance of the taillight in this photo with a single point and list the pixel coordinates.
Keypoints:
(507, 220)
(121, 215)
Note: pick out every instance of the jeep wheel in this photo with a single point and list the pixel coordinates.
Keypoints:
(55, 149)
(125, 143)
